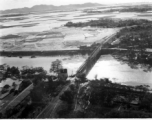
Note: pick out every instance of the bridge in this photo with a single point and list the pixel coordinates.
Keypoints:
(94, 56)
(92, 59)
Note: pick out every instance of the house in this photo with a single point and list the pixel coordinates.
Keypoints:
(120, 99)
(62, 74)
(7, 85)
(134, 104)
(5, 89)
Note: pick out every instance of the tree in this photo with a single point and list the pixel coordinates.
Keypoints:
(14, 70)
(25, 84)
(56, 65)
(5, 89)
(82, 77)
(37, 79)
(37, 95)
(67, 96)
(72, 87)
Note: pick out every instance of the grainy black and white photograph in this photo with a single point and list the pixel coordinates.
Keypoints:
(75, 59)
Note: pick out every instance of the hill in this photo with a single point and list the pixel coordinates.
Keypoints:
(43, 8)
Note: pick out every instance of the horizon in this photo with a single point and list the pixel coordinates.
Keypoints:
(17, 4)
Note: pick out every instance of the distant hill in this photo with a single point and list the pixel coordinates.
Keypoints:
(42, 8)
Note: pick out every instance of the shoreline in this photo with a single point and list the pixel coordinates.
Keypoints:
(51, 53)
(61, 52)
(43, 53)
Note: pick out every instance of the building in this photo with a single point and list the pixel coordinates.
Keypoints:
(17, 103)
(62, 74)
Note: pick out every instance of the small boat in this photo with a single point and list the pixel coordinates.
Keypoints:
(33, 56)
(20, 56)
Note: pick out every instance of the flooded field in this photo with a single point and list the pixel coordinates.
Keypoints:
(34, 31)
(47, 21)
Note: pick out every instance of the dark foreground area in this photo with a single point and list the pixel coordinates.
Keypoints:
(105, 99)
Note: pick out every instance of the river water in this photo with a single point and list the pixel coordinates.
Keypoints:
(70, 62)
(106, 67)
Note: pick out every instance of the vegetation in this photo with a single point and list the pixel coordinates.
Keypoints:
(109, 23)
(139, 9)
(12, 15)
(105, 99)
(56, 66)
(136, 40)
(10, 36)
(143, 8)
(45, 87)
(11, 71)
(81, 78)
(68, 98)
(31, 73)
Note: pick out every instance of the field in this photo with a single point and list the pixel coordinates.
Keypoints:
(62, 38)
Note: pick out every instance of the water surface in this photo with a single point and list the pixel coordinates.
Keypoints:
(106, 67)
(109, 67)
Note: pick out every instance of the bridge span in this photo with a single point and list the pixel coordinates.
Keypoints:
(94, 56)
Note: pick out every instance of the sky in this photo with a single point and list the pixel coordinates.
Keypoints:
(10, 4)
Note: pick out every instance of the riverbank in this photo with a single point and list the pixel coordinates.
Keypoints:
(62, 52)
(43, 53)
(53, 53)
(107, 66)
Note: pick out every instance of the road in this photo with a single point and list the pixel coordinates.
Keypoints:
(49, 111)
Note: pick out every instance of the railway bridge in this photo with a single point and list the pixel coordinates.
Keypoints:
(94, 56)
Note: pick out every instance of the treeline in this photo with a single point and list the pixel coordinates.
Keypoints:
(138, 37)
(131, 9)
(142, 8)
(12, 15)
(109, 23)
(136, 40)
(136, 9)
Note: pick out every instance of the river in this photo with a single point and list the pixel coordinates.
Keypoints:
(108, 67)
(70, 62)
(105, 67)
